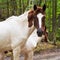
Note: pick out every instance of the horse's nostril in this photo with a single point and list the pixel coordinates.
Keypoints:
(39, 32)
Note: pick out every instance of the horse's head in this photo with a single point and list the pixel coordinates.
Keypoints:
(37, 17)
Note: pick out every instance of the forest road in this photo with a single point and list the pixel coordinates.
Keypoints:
(48, 56)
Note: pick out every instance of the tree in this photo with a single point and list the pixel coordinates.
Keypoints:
(54, 8)
(7, 8)
(14, 6)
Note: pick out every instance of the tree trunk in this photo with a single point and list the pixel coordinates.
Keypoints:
(7, 8)
(21, 6)
(54, 7)
(14, 7)
(39, 2)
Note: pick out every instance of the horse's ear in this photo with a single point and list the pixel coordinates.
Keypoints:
(35, 7)
(44, 7)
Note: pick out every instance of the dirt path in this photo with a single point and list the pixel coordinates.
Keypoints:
(48, 56)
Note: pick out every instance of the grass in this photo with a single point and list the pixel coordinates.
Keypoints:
(43, 46)
(46, 46)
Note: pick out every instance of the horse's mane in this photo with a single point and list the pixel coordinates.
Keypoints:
(22, 17)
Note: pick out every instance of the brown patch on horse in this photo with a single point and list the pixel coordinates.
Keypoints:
(36, 22)
(40, 10)
(32, 15)
(30, 18)
(46, 37)
(46, 34)
(43, 23)
(44, 29)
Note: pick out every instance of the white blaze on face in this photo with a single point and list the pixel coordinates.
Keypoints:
(40, 16)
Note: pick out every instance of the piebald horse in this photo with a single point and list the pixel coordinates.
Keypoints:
(38, 33)
(15, 31)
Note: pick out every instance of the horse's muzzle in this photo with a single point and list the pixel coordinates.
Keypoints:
(39, 32)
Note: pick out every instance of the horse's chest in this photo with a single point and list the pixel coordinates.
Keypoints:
(5, 42)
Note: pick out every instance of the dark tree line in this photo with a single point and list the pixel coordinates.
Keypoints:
(54, 14)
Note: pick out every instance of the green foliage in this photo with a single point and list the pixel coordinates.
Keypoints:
(49, 16)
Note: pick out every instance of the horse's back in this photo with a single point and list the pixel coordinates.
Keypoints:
(11, 18)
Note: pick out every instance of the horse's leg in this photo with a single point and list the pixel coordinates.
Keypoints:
(16, 53)
(25, 56)
(1, 56)
(29, 56)
(12, 56)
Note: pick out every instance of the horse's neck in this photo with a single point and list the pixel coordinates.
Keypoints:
(32, 40)
(23, 17)
(23, 21)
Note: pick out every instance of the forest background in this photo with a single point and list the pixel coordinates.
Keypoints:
(17, 7)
